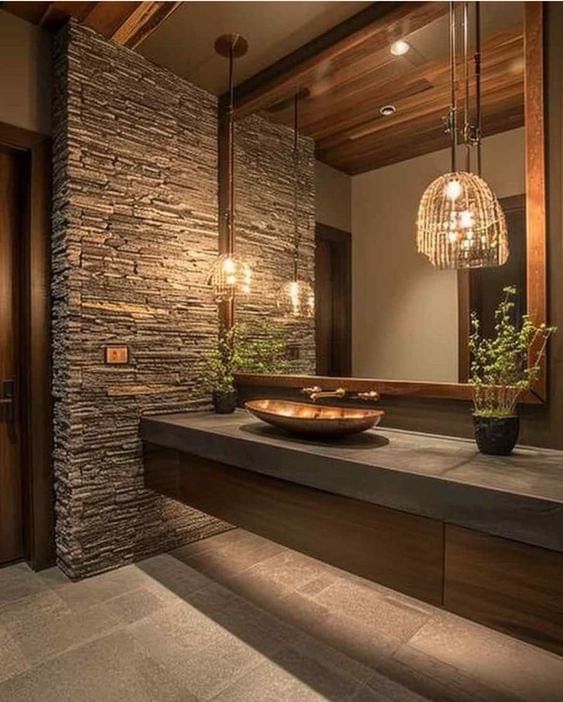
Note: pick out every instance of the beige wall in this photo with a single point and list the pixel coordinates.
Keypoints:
(25, 78)
(404, 311)
(332, 197)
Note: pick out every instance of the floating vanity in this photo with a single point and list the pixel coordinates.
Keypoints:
(426, 515)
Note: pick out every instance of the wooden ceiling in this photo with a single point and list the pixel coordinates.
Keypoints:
(346, 75)
(346, 84)
(125, 23)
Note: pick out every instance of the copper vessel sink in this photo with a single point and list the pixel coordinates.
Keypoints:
(314, 420)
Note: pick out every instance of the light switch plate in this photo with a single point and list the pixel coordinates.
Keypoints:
(117, 355)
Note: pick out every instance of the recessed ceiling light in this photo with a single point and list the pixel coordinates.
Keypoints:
(388, 110)
(399, 47)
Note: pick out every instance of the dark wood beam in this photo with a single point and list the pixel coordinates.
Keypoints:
(142, 22)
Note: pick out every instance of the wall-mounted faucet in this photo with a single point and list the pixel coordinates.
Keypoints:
(317, 392)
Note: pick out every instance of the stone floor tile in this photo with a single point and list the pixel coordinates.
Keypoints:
(22, 615)
(224, 563)
(98, 588)
(253, 625)
(51, 634)
(220, 541)
(177, 630)
(496, 660)
(291, 677)
(207, 672)
(167, 572)
(111, 669)
(332, 657)
(387, 616)
(381, 689)
(12, 660)
(135, 605)
(289, 569)
(316, 586)
(356, 639)
(439, 681)
(18, 581)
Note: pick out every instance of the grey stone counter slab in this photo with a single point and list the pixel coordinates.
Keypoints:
(518, 497)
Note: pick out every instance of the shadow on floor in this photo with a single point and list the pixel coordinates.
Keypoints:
(341, 636)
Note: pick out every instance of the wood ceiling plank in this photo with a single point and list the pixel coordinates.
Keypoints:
(142, 22)
(404, 19)
(426, 139)
(341, 119)
(492, 100)
(107, 17)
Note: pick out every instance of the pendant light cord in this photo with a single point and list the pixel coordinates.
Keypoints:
(466, 124)
(231, 174)
(453, 87)
(296, 233)
(477, 62)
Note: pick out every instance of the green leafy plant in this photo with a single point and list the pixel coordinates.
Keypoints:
(262, 349)
(505, 366)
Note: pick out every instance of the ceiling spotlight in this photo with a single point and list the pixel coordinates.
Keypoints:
(399, 47)
(388, 110)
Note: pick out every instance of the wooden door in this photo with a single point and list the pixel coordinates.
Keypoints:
(11, 492)
(333, 297)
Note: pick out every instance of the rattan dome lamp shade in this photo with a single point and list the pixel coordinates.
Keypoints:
(296, 300)
(230, 275)
(461, 224)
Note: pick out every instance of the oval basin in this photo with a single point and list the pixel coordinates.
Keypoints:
(314, 420)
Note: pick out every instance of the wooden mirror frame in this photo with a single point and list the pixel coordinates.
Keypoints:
(254, 94)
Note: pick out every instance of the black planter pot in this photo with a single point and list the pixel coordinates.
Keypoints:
(496, 436)
(224, 402)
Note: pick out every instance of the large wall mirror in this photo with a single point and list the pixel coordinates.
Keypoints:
(386, 317)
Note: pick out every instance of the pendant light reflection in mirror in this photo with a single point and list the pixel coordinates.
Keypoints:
(460, 222)
(231, 274)
(296, 299)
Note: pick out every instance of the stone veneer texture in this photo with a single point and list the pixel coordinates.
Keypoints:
(134, 235)
(264, 182)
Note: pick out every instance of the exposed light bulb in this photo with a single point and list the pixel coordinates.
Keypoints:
(466, 219)
(296, 299)
(229, 266)
(453, 189)
(399, 47)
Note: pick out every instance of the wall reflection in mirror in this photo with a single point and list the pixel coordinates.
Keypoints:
(376, 119)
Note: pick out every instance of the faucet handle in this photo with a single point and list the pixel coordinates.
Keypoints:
(310, 391)
(372, 395)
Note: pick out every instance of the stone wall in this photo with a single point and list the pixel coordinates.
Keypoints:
(135, 233)
(264, 182)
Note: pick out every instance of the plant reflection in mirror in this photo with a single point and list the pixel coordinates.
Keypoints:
(260, 349)
(505, 366)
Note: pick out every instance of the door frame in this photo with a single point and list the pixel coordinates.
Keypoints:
(35, 347)
(342, 240)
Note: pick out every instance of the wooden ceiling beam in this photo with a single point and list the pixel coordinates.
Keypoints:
(125, 23)
(142, 22)
(384, 23)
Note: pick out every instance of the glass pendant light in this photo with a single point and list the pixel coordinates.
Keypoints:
(231, 274)
(460, 222)
(296, 299)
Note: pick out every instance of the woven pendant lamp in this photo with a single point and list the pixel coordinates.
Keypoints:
(460, 222)
(231, 274)
(296, 299)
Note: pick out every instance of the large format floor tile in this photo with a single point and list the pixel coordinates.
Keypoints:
(237, 618)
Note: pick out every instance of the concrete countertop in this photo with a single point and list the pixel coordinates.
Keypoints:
(518, 497)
